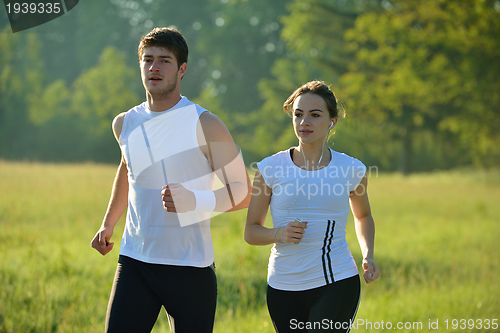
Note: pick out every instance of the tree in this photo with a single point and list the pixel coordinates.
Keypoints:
(21, 82)
(313, 32)
(429, 65)
(315, 29)
(73, 42)
(104, 91)
(82, 114)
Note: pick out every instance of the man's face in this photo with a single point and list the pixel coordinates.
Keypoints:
(159, 71)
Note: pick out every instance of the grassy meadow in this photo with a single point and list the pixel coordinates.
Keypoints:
(436, 245)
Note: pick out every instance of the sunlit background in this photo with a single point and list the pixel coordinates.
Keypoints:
(419, 79)
(420, 82)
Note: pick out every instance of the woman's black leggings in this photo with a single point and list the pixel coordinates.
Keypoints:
(189, 295)
(330, 308)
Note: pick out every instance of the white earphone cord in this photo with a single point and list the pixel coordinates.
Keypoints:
(307, 174)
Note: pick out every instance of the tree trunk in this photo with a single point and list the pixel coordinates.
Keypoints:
(405, 163)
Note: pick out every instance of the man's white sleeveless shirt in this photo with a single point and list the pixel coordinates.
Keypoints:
(321, 198)
(162, 148)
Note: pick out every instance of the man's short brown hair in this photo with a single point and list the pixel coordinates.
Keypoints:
(168, 38)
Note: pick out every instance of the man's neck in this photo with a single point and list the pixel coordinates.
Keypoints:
(162, 104)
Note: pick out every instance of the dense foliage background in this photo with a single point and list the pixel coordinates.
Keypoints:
(419, 78)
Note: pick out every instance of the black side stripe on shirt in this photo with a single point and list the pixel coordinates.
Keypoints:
(326, 251)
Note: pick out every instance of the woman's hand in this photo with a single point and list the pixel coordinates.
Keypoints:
(371, 270)
(293, 232)
(101, 241)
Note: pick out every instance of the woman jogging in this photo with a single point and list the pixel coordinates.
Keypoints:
(313, 281)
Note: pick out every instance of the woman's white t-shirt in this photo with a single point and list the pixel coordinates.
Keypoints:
(321, 198)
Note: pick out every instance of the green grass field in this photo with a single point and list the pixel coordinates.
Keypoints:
(436, 245)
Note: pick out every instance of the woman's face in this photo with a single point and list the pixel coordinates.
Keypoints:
(311, 120)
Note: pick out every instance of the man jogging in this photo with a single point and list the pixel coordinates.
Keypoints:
(171, 151)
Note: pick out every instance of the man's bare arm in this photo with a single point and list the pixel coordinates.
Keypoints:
(227, 163)
(118, 201)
